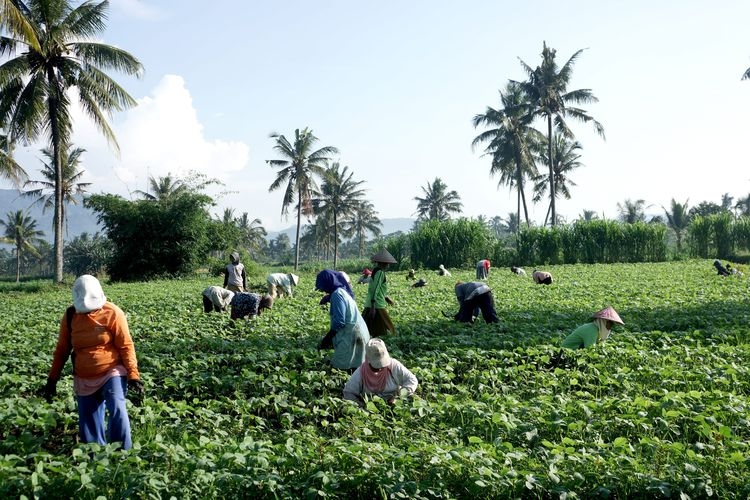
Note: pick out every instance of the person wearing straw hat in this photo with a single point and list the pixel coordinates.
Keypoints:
(348, 332)
(380, 375)
(597, 330)
(375, 313)
(235, 278)
(281, 283)
(94, 333)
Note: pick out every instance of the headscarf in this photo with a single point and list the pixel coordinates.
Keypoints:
(329, 280)
(88, 294)
(376, 357)
(601, 324)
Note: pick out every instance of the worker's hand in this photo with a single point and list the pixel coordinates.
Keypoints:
(49, 391)
(391, 401)
(327, 341)
(390, 301)
(136, 391)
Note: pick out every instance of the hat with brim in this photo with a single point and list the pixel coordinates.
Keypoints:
(88, 294)
(608, 313)
(294, 278)
(384, 257)
(377, 354)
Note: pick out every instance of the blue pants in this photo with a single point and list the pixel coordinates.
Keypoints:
(91, 414)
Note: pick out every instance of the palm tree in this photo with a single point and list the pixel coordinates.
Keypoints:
(511, 223)
(21, 231)
(743, 206)
(56, 54)
(631, 212)
(746, 75)
(163, 188)
(339, 195)
(438, 203)
(364, 220)
(299, 168)
(9, 169)
(510, 142)
(588, 215)
(44, 191)
(678, 220)
(565, 160)
(497, 226)
(253, 232)
(547, 92)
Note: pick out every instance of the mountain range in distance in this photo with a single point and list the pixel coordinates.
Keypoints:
(82, 220)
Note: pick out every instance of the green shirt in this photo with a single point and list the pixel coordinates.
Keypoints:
(377, 290)
(583, 336)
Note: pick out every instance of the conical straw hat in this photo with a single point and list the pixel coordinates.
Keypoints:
(608, 313)
(383, 256)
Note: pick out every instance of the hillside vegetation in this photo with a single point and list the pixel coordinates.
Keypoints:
(250, 409)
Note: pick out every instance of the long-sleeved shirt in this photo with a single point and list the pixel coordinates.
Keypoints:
(377, 290)
(234, 274)
(282, 280)
(401, 378)
(582, 337)
(467, 291)
(220, 297)
(100, 341)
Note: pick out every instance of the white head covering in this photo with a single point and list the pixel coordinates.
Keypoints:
(377, 354)
(603, 331)
(294, 279)
(88, 294)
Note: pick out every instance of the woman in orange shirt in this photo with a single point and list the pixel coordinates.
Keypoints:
(105, 367)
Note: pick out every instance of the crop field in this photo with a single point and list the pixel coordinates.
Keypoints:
(250, 409)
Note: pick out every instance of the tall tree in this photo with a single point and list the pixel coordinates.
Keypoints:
(9, 169)
(364, 220)
(339, 195)
(510, 141)
(566, 159)
(253, 232)
(678, 220)
(588, 215)
(21, 232)
(163, 188)
(438, 203)
(743, 206)
(547, 91)
(298, 169)
(746, 74)
(56, 54)
(44, 189)
(631, 212)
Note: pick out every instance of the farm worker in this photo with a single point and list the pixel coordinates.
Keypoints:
(541, 277)
(518, 270)
(419, 283)
(380, 375)
(342, 281)
(483, 269)
(597, 330)
(216, 298)
(281, 283)
(411, 275)
(721, 270)
(234, 274)
(375, 313)
(442, 271)
(105, 367)
(472, 297)
(249, 305)
(365, 276)
(348, 333)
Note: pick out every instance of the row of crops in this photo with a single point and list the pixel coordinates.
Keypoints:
(250, 409)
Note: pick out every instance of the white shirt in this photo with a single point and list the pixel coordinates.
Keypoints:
(401, 378)
(220, 297)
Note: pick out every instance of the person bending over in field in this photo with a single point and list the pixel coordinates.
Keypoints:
(95, 332)
(720, 269)
(380, 375)
(235, 278)
(518, 270)
(597, 330)
(249, 304)
(281, 283)
(542, 277)
(365, 277)
(216, 298)
(483, 269)
(475, 297)
(375, 313)
(348, 333)
(442, 271)
(343, 281)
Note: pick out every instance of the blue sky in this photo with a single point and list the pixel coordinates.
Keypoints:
(394, 86)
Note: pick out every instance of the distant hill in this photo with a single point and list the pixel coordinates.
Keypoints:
(390, 226)
(80, 219)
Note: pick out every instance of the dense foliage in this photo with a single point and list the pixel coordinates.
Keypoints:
(250, 409)
(454, 243)
(154, 238)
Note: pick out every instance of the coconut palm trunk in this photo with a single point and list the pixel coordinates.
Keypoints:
(551, 171)
(57, 219)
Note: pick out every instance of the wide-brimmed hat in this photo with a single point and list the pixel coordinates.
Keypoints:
(376, 354)
(88, 294)
(384, 257)
(294, 278)
(610, 314)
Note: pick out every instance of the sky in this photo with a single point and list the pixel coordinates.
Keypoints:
(395, 85)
